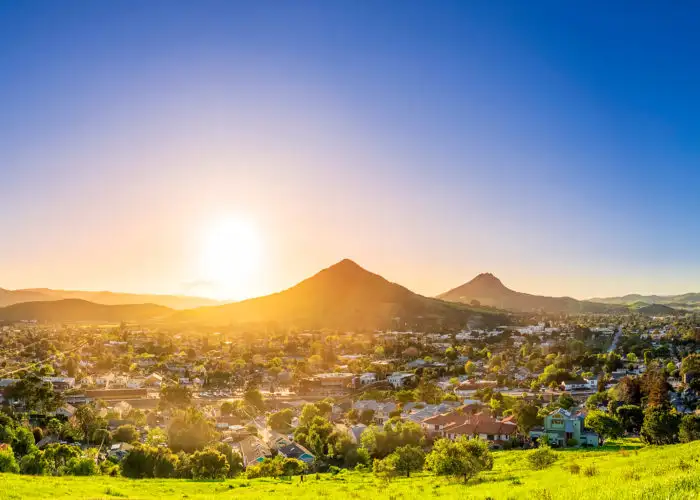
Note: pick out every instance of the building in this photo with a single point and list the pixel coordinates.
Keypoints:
(327, 384)
(399, 379)
(565, 428)
(295, 450)
(253, 450)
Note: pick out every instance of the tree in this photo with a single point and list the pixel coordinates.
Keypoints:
(689, 428)
(629, 391)
(227, 408)
(406, 459)
(156, 437)
(660, 425)
(254, 398)
(233, 459)
(380, 442)
(281, 421)
(54, 427)
(566, 401)
(525, 415)
(631, 417)
(209, 464)
(175, 396)
(126, 434)
(367, 416)
(36, 394)
(428, 392)
(190, 431)
(469, 368)
(462, 457)
(308, 413)
(606, 426)
(690, 364)
(292, 467)
(147, 462)
(88, 421)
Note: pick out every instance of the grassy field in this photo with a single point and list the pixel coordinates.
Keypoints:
(631, 472)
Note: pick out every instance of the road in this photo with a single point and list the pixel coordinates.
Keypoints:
(616, 339)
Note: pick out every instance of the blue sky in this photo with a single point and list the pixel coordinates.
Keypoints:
(551, 143)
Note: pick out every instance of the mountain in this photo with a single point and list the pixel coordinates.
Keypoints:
(343, 296)
(490, 291)
(681, 301)
(9, 297)
(81, 310)
(653, 309)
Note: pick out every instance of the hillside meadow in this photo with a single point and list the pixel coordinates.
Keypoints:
(628, 472)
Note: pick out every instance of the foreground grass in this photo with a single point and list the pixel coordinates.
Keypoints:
(670, 472)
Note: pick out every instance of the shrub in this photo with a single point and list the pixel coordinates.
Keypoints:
(590, 470)
(574, 468)
(126, 434)
(571, 443)
(82, 466)
(35, 464)
(542, 457)
(7, 460)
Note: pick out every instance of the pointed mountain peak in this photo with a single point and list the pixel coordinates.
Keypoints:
(486, 279)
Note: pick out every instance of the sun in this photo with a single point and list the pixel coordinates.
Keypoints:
(230, 258)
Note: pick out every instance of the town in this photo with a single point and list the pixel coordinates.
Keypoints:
(167, 401)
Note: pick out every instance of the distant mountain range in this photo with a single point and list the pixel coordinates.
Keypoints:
(682, 301)
(488, 290)
(343, 296)
(69, 310)
(9, 297)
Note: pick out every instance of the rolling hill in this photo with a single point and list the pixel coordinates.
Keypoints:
(682, 301)
(343, 296)
(490, 291)
(68, 310)
(9, 297)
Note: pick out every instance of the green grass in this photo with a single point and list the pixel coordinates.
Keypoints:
(619, 473)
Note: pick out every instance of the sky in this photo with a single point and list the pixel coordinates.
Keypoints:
(554, 144)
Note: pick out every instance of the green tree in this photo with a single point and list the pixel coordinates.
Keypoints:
(462, 457)
(190, 430)
(209, 464)
(526, 416)
(175, 396)
(126, 434)
(660, 425)
(407, 459)
(281, 421)
(233, 459)
(606, 426)
(689, 428)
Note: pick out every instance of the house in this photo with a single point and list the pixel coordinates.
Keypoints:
(119, 450)
(399, 379)
(253, 450)
(368, 378)
(485, 427)
(381, 410)
(355, 432)
(295, 450)
(574, 385)
(66, 411)
(327, 384)
(562, 426)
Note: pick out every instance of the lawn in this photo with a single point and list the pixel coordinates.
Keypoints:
(629, 472)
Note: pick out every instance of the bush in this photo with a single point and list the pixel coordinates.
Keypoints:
(35, 464)
(82, 466)
(590, 470)
(571, 443)
(574, 468)
(7, 460)
(38, 434)
(209, 464)
(542, 457)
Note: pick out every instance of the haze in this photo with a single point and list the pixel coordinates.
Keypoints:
(230, 149)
